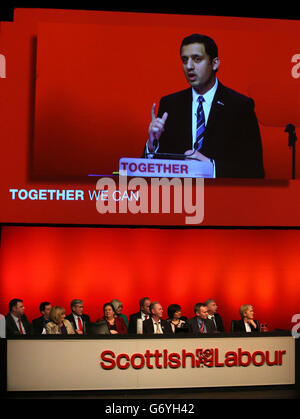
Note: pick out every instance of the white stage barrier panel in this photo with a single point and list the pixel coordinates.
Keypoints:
(111, 364)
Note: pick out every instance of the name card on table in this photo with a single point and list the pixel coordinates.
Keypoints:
(166, 168)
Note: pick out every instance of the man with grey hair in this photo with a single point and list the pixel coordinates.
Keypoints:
(213, 315)
(78, 320)
(156, 324)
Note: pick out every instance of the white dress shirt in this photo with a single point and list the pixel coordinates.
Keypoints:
(208, 99)
(206, 104)
(157, 327)
(16, 319)
(76, 321)
(247, 326)
(143, 316)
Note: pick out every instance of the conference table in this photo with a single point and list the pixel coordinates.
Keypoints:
(119, 362)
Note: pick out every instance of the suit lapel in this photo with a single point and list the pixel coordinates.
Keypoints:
(187, 126)
(215, 111)
(196, 326)
(13, 323)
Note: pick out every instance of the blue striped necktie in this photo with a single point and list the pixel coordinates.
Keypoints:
(200, 124)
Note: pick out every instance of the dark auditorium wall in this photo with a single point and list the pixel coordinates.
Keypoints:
(184, 266)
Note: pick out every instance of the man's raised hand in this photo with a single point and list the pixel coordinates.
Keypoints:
(156, 127)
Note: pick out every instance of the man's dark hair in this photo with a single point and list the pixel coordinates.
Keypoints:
(197, 306)
(142, 301)
(13, 303)
(209, 44)
(172, 309)
(43, 305)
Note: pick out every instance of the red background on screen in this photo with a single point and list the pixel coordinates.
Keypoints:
(96, 84)
(235, 267)
(226, 203)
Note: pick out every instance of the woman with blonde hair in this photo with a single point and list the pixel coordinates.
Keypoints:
(247, 322)
(58, 324)
(118, 306)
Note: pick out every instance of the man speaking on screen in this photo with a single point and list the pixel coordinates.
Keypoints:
(207, 121)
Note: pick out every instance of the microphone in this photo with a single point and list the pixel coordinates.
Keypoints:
(290, 128)
(277, 105)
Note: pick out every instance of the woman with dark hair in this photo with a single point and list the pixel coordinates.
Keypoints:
(115, 324)
(177, 322)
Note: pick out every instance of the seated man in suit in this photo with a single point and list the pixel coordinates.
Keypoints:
(39, 324)
(213, 315)
(16, 321)
(143, 313)
(156, 325)
(200, 323)
(78, 320)
(207, 121)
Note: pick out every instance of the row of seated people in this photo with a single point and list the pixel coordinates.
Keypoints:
(148, 320)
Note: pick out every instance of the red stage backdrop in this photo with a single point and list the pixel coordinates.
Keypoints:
(259, 267)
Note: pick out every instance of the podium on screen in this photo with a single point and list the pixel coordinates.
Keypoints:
(190, 168)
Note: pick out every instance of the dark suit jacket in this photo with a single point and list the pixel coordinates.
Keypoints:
(194, 327)
(38, 325)
(184, 327)
(148, 328)
(12, 329)
(219, 322)
(133, 322)
(239, 326)
(232, 137)
(85, 319)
